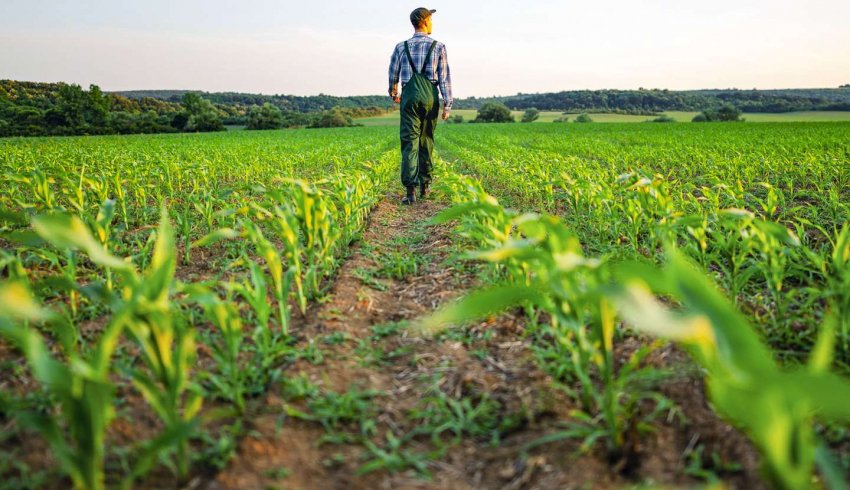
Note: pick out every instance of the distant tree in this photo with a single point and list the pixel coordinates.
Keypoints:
(561, 119)
(530, 115)
(334, 118)
(204, 122)
(846, 85)
(192, 102)
(97, 107)
(202, 114)
(295, 119)
(68, 115)
(179, 120)
(584, 118)
(266, 116)
(726, 113)
(457, 119)
(121, 122)
(494, 112)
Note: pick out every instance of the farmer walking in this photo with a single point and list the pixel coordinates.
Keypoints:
(420, 64)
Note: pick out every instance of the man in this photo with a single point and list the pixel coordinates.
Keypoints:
(421, 65)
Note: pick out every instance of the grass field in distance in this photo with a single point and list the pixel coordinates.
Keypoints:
(549, 116)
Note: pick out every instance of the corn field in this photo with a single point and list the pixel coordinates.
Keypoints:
(152, 289)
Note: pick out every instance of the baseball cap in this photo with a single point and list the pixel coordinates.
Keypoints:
(420, 14)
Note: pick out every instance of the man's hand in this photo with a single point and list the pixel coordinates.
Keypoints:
(445, 114)
(396, 98)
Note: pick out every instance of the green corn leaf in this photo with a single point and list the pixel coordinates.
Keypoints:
(821, 356)
(460, 210)
(480, 304)
(830, 470)
(13, 217)
(66, 231)
(643, 311)
(16, 302)
(827, 393)
(105, 213)
(161, 271)
(779, 232)
(736, 340)
(216, 236)
(27, 238)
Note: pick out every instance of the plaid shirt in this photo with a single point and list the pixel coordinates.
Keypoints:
(437, 69)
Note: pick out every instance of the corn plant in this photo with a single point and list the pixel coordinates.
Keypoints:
(564, 284)
(230, 384)
(775, 406)
(315, 213)
(81, 385)
(166, 344)
(270, 345)
(143, 311)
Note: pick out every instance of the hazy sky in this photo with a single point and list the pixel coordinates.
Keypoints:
(494, 46)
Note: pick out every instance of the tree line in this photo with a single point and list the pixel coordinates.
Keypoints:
(291, 103)
(653, 101)
(38, 109)
(60, 109)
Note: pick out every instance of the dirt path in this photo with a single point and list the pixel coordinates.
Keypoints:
(454, 411)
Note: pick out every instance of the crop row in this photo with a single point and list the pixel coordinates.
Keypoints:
(763, 210)
(191, 314)
(580, 307)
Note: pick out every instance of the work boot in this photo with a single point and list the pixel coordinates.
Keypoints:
(424, 190)
(410, 198)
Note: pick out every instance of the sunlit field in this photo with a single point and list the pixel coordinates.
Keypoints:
(663, 303)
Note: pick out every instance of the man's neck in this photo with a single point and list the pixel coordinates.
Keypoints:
(420, 32)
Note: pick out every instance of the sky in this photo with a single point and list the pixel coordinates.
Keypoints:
(495, 47)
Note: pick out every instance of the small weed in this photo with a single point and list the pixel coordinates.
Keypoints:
(335, 338)
(298, 388)
(398, 264)
(312, 353)
(334, 410)
(367, 277)
(383, 330)
(277, 473)
(439, 413)
(394, 458)
(480, 354)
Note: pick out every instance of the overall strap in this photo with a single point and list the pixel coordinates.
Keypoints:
(427, 58)
(409, 58)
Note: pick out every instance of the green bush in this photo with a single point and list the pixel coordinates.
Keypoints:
(494, 112)
(662, 119)
(726, 113)
(266, 116)
(530, 115)
(584, 118)
(334, 118)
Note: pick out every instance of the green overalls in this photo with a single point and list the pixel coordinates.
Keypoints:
(420, 105)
